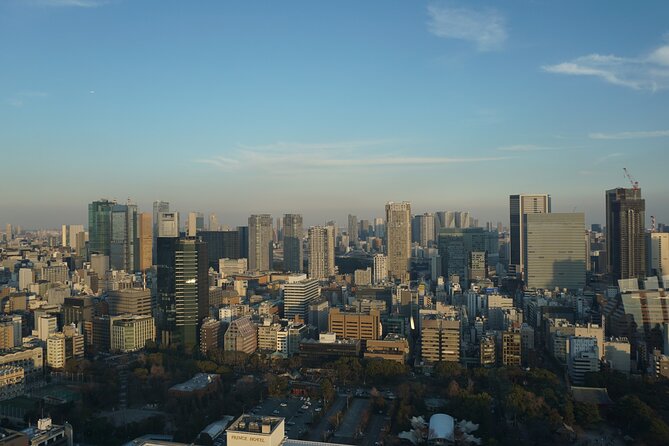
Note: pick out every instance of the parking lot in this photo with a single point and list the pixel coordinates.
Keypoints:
(298, 413)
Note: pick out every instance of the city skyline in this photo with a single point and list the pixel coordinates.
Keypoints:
(298, 107)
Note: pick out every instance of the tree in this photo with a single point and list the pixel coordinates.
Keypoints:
(447, 370)
(328, 392)
(586, 414)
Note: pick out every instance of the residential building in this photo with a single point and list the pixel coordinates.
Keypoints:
(260, 242)
(211, 335)
(487, 352)
(440, 338)
(241, 336)
(380, 269)
(511, 348)
(363, 277)
(321, 252)
(398, 245)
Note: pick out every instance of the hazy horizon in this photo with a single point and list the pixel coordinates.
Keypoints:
(330, 108)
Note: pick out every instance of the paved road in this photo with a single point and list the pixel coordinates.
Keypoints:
(316, 433)
(348, 426)
(373, 433)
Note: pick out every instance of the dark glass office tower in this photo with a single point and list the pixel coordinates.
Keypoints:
(293, 256)
(243, 241)
(182, 289)
(625, 228)
(124, 253)
(221, 245)
(99, 227)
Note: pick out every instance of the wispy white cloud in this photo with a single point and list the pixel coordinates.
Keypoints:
(348, 154)
(525, 148)
(630, 135)
(646, 72)
(608, 157)
(20, 98)
(484, 27)
(73, 3)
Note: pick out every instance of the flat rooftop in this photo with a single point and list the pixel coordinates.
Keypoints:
(254, 424)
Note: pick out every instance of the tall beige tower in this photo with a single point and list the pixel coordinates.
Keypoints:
(145, 225)
(398, 243)
(260, 242)
(321, 252)
(520, 205)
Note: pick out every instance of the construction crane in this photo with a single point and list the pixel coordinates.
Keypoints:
(635, 184)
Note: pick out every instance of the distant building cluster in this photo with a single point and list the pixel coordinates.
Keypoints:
(414, 289)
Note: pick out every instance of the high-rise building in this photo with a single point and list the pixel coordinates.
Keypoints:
(625, 238)
(379, 228)
(352, 230)
(124, 254)
(554, 250)
(243, 241)
(519, 205)
(297, 296)
(456, 248)
(321, 252)
(354, 325)
(511, 348)
(260, 242)
(398, 245)
(440, 338)
(195, 223)
(426, 234)
(213, 223)
(135, 301)
(380, 269)
(145, 226)
(158, 208)
(182, 289)
(241, 336)
(100, 227)
(293, 256)
(69, 235)
(130, 333)
(220, 245)
(168, 225)
(657, 249)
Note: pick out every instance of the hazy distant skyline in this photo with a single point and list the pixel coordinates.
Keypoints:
(329, 108)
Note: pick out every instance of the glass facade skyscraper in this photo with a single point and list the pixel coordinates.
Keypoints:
(99, 227)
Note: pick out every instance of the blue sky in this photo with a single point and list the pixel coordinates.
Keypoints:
(330, 107)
